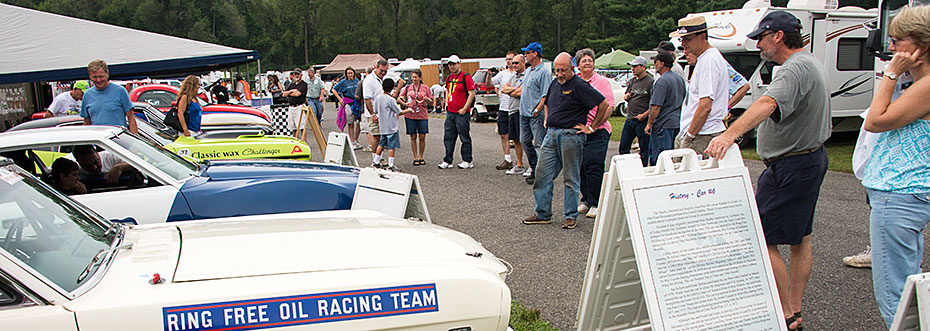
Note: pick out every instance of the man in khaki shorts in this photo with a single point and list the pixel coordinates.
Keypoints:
(708, 92)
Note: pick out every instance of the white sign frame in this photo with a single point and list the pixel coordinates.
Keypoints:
(392, 193)
(339, 150)
(628, 180)
(913, 311)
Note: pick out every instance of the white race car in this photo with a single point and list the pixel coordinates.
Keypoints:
(63, 267)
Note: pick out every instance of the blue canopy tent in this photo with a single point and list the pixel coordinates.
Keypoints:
(40, 46)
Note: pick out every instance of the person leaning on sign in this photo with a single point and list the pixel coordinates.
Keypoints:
(105, 103)
(794, 120)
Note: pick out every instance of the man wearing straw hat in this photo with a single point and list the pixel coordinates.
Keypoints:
(705, 106)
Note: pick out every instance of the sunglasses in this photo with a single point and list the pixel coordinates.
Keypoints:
(515, 62)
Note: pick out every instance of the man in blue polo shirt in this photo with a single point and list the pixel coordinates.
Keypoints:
(534, 87)
(567, 103)
(105, 103)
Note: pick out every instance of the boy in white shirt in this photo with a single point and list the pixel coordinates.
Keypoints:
(386, 113)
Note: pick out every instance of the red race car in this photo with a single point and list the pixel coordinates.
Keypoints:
(162, 96)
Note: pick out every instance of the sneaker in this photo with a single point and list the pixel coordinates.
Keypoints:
(466, 165)
(356, 145)
(516, 170)
(531, 180)
(592, 213)
(861, 260)
(583, 208)
(393, 168)
(504, 165)
(445, 165)
(528, 172)
(533, 219)
(376, 165)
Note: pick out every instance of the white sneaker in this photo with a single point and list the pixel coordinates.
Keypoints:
(466, 165)
(528, 172)
(592, 213)
(356, 145)
(861, 260)
(515, 171)
(582, 208)
(445, 165)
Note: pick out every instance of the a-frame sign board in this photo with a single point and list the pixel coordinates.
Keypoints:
(678, 246)
(392, 193)
(339, 150)
(913, 312)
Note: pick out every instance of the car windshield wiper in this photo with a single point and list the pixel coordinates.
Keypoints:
(118, 231)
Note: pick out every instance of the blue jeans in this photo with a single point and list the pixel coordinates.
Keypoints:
(531, 130)
(634, 128)
(661, 140)
(895, 227)
(592, 166)
(317, 108)
(560, 149)
(457, 126)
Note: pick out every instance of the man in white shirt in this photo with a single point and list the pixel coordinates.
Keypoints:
(68, 103)
(708, 91)
(372, 88)
(503, 113)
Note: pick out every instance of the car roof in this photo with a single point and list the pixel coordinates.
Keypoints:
(45, 122)
(56, 135)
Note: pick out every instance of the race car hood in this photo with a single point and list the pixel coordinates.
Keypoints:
(320, 241)
(257, 169)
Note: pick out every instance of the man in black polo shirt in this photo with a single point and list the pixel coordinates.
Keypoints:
(567, 102)
(296, 93)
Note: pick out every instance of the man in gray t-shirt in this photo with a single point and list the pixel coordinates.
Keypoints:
(664, 107)
(514, 88)
(795, 121)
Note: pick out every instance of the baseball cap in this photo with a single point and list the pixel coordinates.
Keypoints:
(665, 46)
(638, 61)
(81, 84)
(297, 71)
(533, 46)
(665, 58)
(455, 59)
(775, 21)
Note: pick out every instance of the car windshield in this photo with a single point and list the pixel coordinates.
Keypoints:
(160, 158)
(48, 232)
(159, 137)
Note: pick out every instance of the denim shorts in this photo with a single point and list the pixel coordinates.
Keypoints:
(416, 126)
(787, 196)
(389, 141)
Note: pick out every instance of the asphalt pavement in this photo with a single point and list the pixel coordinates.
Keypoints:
(549, 262)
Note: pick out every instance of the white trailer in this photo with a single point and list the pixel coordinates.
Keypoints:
(836, 36)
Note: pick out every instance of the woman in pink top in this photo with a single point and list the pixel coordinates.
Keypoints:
(416, 96)
(595, 147)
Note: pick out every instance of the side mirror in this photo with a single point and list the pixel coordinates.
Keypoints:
(873, 44)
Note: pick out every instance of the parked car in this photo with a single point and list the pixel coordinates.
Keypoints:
(487, 102)
(208, 121)
(163, 186)
(216, 144)
(162, 97)
(63, 267)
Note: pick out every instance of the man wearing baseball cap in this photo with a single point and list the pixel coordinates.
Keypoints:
(667, 47)
(638, 92)
(535, 85)
(457, 126)
(296, 93)
(68, 103)
(794, 120)
(706, 104)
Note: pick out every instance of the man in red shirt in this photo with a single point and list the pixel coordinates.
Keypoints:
(461, 95)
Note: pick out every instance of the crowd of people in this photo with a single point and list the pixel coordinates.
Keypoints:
(559, 123)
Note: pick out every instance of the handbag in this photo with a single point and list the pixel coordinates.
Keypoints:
(172, 120)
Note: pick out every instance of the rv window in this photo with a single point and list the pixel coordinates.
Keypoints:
(851, 55)
(765, 73)
(744, 63)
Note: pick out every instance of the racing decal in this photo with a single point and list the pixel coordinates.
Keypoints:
(234, 154)
(296, 149)
(303, 309)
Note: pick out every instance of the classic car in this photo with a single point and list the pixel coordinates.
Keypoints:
(163, 186)
(230, 143)
(162, 96)
(63, 267)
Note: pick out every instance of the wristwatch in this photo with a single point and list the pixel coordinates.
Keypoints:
(891, 75)
(689, 135)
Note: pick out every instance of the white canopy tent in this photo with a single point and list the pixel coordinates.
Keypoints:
(40, 46)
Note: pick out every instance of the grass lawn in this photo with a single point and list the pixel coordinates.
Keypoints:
(839, 147)
(522, 319)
